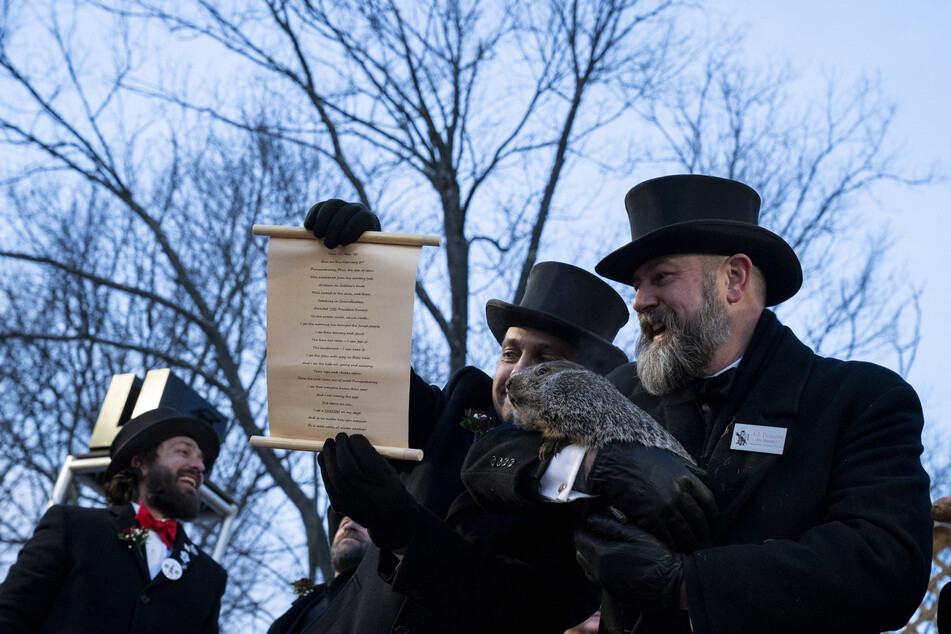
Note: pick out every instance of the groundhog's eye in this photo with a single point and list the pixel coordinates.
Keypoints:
(541, 371)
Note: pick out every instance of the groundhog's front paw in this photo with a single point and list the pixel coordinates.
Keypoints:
(549, 448)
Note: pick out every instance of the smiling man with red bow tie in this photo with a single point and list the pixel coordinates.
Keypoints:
(131, 567)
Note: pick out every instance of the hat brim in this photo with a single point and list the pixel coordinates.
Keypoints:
(770, 253)
(198, 430)
(603, 356)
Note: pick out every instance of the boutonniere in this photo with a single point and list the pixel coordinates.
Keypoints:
(134, 536)
(302, 586)
(476, 421)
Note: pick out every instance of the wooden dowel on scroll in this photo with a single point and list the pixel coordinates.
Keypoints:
(376, 237)
(295, 444)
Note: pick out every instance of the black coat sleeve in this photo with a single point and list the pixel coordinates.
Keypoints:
(424, 400)
(471, 570)
(34, 580)
(509, 573)
(502, 470)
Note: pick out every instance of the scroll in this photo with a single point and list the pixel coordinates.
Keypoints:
(339, 334)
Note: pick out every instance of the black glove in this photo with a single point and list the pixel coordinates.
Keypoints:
(656, 490)
(631, 565)
(363, 486)
(339, 222)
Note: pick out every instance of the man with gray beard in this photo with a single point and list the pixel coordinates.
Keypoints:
(823, 506)
(689, 347)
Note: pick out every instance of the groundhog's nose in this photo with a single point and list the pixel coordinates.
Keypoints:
(511, 385)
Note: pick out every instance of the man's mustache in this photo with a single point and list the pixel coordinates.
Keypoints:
(656, 321)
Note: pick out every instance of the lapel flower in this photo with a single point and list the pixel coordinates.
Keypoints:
(302, 586)
(476, 421)
(134, 536)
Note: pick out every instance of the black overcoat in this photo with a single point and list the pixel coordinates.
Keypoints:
(76, 575)
(464, 570)
(832, 535)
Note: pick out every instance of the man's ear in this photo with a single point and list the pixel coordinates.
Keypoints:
(138, 462)
(739, 269)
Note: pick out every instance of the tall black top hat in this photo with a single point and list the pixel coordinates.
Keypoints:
(702, 214)
(571, 304)
(154, 426)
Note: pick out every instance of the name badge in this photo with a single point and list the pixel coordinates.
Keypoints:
(758, 438)
(172, 569)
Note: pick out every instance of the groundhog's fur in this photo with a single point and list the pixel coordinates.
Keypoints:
(571, 405)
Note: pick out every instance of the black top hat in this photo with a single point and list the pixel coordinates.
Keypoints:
(571, 304)
(690, 213)
(154, 426)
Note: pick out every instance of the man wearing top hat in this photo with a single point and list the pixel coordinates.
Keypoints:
(129, 568)
(823, 521)
(440, 563)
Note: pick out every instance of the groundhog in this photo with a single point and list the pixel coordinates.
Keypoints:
(571, 405)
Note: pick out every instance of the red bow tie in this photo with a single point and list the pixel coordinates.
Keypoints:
(165, 529)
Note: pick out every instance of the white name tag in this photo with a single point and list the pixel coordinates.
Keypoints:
(758, 438)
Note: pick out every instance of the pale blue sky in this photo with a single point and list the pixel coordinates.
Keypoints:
(906, 44)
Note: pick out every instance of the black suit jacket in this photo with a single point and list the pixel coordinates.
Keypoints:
(464, 570)
(304, 608)
(76, 575)
(832, 535)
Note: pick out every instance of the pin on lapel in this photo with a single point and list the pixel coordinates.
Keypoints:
(172, 569)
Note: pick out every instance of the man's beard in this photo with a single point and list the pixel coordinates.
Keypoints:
(164, 494)
(688, 348)
(346, 555)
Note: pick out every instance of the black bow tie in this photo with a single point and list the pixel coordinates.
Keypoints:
(688, 411)
(712, 388)
(716, 387)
